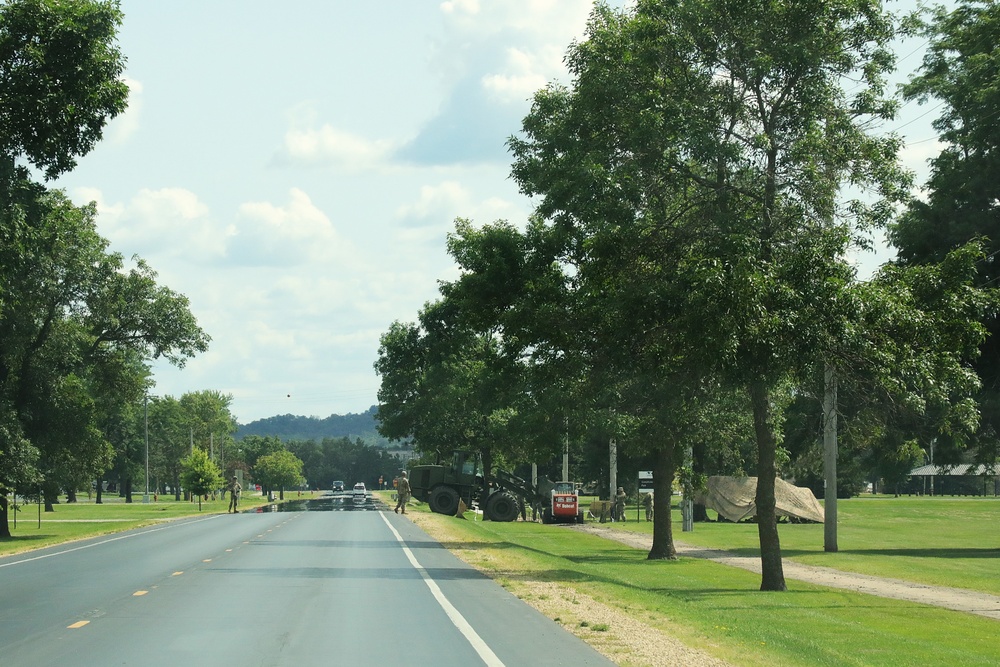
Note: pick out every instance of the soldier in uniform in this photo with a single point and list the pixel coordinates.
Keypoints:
(402, 494)
(234, 494)
(620, 504)
(647, 502)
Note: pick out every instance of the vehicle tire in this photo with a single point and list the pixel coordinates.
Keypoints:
(547, 515)
(502, 506)
(443, 500)
(579, 517)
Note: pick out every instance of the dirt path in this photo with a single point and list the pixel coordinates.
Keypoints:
(957, 599)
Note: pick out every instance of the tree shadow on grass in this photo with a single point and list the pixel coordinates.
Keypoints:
(909, 553)
(26, 538)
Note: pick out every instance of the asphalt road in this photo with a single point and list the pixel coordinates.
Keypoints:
(273, 588)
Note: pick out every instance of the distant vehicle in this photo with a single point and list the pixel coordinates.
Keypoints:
(338, 486)
(360, 491)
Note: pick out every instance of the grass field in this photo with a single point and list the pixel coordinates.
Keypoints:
(720, 610)
(83, 519)
(941, 541)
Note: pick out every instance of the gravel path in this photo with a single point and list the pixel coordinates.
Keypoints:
(957, 599)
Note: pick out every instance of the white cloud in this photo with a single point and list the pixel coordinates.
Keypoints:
(328, 146)
(166, 222)
(460, 6)
(287, 235)
(558, 19)
(521, 78)
(435, 203)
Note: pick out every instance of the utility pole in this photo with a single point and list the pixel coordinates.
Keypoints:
(687, 500)
(830, 458)
(566, 451)
(613, 467)
(145, 426)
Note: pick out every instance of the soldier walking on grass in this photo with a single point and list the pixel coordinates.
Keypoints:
(647, 502)
(402, 494)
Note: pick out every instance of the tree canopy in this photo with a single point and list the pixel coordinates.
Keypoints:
(78, 324)
(699, 185)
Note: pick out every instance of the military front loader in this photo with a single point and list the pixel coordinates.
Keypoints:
(443, 486)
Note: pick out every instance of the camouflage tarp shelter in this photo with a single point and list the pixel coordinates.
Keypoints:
(733, 499)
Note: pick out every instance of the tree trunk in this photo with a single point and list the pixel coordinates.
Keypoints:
(772, 574)
(663, 477)
(128, 490)
(71, 496)
(100, 491)
(51, 496)
(4, 526)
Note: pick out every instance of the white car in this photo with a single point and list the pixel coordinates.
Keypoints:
(360, 492)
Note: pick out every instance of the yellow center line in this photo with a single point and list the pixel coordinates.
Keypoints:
(78, 624)
(138, 593)
(177, 573)
(207, 560)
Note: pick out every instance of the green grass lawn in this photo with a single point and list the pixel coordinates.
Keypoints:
(83, 519)
(720, 609)
(941, 541)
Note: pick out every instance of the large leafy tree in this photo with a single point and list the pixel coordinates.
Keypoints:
(707, 140)
(446, 385)
(60, 72)
(589, 333)
(960, 71)
(75, 317)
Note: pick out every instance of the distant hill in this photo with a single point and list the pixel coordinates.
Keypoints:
(292, 427)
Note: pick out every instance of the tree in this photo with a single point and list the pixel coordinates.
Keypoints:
(199, 475)
(960, 69)
(706, 142)
(61, 71)
(74, 312)
(251, 448)
(446, 385)
(278, 470)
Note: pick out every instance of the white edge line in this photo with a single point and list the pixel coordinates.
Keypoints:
(480, 646)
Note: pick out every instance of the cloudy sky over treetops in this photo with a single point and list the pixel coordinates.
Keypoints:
(294, 168)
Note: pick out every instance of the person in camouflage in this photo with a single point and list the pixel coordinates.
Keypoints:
(402, 494)
(234, 494)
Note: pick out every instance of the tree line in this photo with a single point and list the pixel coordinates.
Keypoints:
(683, 289)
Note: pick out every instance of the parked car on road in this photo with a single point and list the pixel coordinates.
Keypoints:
(338, 486)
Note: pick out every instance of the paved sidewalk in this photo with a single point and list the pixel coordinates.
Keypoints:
(957, 599)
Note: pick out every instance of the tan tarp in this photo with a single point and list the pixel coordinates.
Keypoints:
(733, 498)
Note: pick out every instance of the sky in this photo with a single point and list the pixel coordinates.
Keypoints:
(294, 169)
